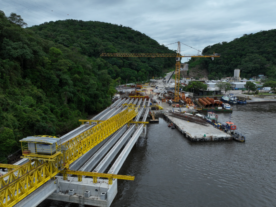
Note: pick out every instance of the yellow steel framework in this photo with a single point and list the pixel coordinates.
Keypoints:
(96, 175)
(51, 156)
(45, 136)
(90, 121)
(23, 180)
(126, 104)
(137, 122)
(176, 55)
(138, 97)
(8, 166)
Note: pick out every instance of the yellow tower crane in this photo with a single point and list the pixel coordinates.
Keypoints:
(177, 57)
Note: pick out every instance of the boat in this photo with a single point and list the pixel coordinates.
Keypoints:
(225, 99)
(232, 99)
(231, 127)
(211, 117)
(171, 125)
(242, 101)
(226, 106)
(200, 115)
(238, 137)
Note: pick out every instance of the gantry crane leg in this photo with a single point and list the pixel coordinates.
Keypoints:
(177, 81)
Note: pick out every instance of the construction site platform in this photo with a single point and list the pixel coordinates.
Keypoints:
(196, 132)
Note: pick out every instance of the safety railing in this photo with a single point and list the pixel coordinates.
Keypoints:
(40, 151)
(76, 147)
(22, 181)
(95, 176)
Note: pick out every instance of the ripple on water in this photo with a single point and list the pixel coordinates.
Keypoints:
(171, 171)
(209, 174)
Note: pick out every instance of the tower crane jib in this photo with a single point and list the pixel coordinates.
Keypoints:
(177, 57)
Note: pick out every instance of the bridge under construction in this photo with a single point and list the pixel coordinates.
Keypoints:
(80, 167)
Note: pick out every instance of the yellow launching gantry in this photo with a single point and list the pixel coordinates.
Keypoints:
(48, 157)
(176, 55)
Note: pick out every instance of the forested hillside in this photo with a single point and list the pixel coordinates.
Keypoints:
(51, 75)
(254, 54)
(93, 38)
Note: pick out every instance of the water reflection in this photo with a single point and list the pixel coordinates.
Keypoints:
(176, 172)
(171, 171)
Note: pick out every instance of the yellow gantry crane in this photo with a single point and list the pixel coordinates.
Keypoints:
(22, 180)
(177, 57)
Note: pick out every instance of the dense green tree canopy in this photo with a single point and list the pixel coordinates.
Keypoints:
(271, 84)
(51, 75)
(195, 86)
(93, 38)
(224, 86)
(250, 86)
(17, 20)
(254, 54)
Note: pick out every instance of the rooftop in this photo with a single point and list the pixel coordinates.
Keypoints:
(46, 140)
(238, 83)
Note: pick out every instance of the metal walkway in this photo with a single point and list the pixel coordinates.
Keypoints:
(97, 159)
(114, 154)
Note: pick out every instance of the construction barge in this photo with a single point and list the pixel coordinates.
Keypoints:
(211, 106)
(197, 132)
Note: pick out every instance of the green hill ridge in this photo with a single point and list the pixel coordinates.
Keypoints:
(51, 75)
(253, 54)
(93, 38)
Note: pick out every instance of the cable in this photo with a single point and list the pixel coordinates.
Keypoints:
(191, 47)
(170, 43)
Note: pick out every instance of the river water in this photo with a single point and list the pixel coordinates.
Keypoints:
(169, 170)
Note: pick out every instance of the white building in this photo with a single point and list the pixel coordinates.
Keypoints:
(237, 75)
(266, 88)
(238, 85)
(186, 81)
(211, 84)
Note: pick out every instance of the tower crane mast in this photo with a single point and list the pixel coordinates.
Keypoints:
(177, 57)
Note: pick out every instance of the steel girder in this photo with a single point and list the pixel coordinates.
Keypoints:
(27, 178)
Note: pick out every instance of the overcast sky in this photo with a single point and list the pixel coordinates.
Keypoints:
(197, 23)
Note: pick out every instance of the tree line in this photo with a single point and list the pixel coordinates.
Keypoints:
(253, 54)
(51, 75)
(91, 38)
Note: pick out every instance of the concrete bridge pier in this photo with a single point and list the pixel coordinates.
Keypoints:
(85, 192)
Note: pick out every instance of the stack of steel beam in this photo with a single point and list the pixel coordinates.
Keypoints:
(125, 152)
